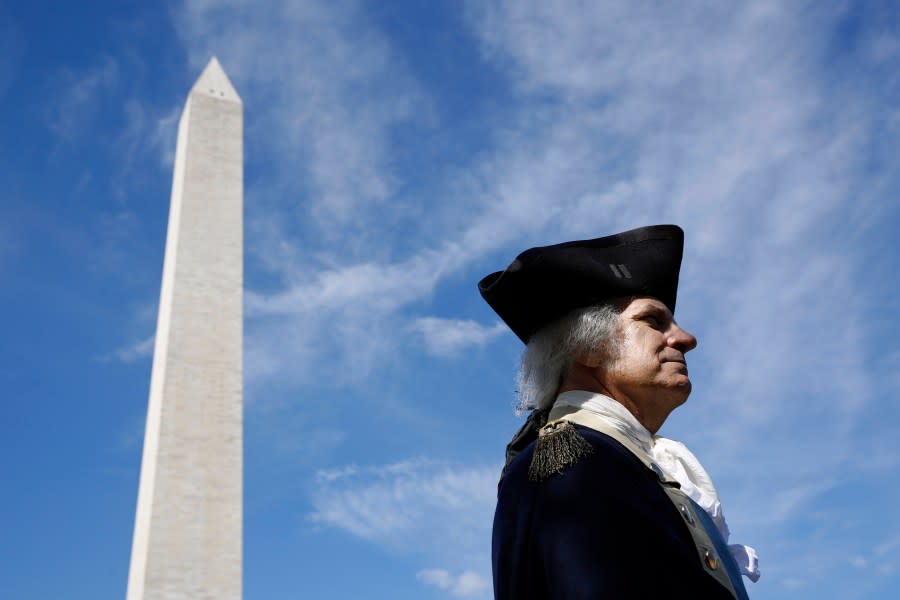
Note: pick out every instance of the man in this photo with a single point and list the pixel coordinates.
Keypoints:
(591, 503)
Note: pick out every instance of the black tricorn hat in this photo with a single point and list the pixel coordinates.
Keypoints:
(545, 283)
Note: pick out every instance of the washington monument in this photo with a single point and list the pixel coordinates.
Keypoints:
(188, 527)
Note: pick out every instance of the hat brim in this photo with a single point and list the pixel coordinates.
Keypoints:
(545, 283)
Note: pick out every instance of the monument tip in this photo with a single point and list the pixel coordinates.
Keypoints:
(214, 82)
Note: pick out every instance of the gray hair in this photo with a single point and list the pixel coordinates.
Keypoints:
(550, 352)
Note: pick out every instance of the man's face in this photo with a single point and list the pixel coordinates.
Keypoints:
(649, 370)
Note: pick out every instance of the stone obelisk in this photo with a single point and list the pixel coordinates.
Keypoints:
(188, 528)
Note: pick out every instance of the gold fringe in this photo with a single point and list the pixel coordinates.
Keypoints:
(558, 447)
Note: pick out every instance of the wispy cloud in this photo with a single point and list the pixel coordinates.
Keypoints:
(328, 101)
(133, 352)
(79, 98)
(108, 95)
(464, 585)
(333, 93)
(396, 503)
(149, 132)
(408, 505)
(447, 337)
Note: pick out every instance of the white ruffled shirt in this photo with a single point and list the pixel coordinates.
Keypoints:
(674, 458)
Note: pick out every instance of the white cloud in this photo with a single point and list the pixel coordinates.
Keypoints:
(133, 352)
(329, 475)
(789, 501)
(369, 287)
(401, 499)
(466, 584)
(324, 91)
(81, 102)
(437, 577)
(149, 130)
(889, 546)
(78, 98)
(470, 583)
(447, 337)
(409, 504)
(333, 89)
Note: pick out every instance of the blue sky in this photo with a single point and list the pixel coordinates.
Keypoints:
(395, 153)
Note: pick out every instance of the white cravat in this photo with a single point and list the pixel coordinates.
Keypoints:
(674, 458)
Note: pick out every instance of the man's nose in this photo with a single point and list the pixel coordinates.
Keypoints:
(681, 339)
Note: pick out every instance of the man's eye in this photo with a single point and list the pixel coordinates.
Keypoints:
(652, 321)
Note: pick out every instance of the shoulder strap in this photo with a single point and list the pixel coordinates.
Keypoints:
(715, 562)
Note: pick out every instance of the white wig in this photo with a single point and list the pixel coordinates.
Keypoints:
(550, 352)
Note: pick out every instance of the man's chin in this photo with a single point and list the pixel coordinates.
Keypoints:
(681, 391)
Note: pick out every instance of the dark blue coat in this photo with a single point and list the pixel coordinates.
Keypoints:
(602, 529)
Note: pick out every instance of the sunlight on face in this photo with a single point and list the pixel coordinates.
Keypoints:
(649, 373)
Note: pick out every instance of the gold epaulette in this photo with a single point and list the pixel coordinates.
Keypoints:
(558, 447)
